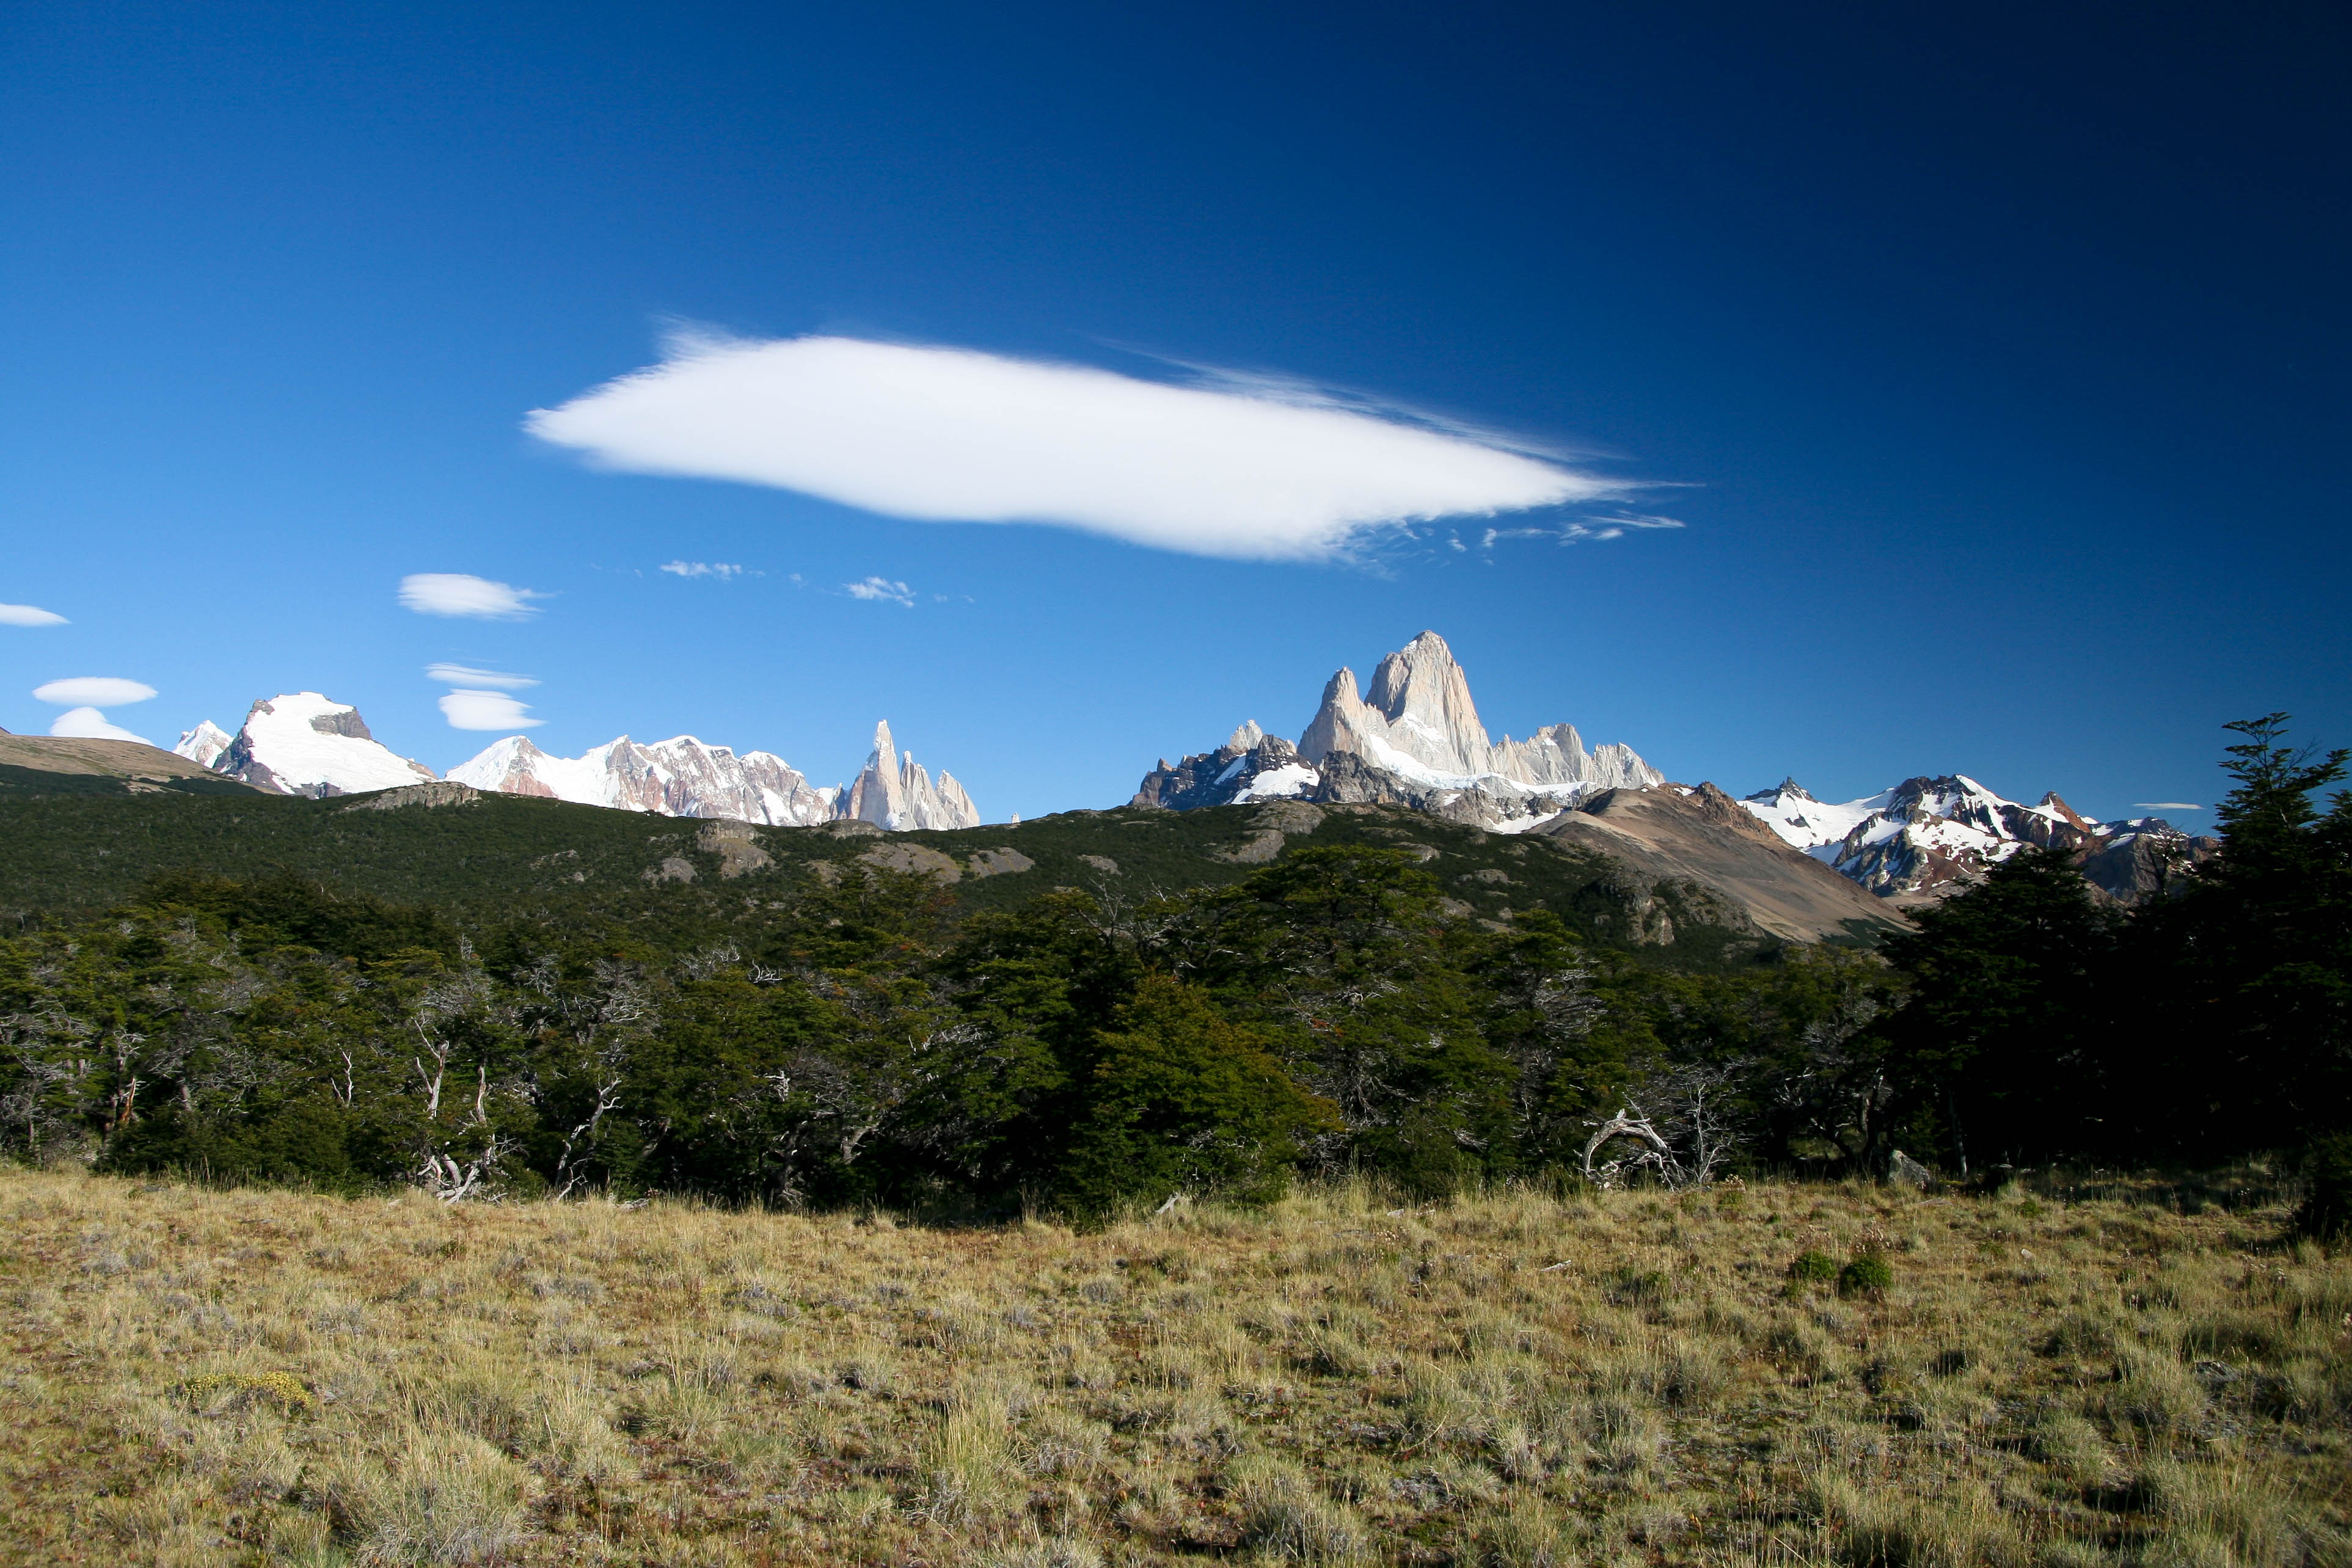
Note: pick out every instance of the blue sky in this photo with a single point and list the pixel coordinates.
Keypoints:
(1992, 360)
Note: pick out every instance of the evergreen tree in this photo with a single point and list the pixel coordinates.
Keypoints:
(2244, 983)
(1998, 1039)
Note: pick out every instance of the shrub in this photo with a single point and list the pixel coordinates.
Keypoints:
(240, 1389)
(1868, 1275)
(1813, 1269)
(2327, 1208)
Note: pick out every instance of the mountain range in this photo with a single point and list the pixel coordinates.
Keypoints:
(1926, 838)
(1415, 739)
(307, 744)
(1411, 740)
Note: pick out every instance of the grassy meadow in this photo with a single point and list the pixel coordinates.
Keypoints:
(233, 1377)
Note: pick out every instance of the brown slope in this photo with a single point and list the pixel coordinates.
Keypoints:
(127, 759)
(1710, 838)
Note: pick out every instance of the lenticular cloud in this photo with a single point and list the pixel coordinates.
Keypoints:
(954, 435)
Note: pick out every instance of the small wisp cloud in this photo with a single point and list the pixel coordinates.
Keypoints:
(457, 593)
(467, 676)
(29, 615)
(880, 590)
(1245, 468)
(719, 568)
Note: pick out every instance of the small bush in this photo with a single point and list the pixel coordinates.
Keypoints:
(1868, 1275)
(1813, 1269)
(2327, 1209)
(238, 1390)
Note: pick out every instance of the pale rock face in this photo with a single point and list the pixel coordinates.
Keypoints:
(894, 793)
(1415, 740)
(1418, 741)
(202, 745)
(305, 744)
(686, 778)
(1929, 837)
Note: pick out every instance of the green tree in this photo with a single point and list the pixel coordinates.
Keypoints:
(2245, 979)
(1179, 1099)
(1999, 1039)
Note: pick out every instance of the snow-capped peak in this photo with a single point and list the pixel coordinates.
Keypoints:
(686, 777)
(303, 743)
(203, 744)
(1926, 835)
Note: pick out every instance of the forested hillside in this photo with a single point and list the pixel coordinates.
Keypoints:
(498, 994)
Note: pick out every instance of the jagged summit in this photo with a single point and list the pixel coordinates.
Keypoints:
(686, 777)
(893, 792)
(301, 743)
(1415, 739)
(681, 777)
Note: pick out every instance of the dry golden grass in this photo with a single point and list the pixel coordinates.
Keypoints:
(200, 1376)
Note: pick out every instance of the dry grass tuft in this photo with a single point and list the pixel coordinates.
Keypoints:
(1505, 1381)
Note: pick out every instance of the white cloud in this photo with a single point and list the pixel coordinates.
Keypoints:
(89, 723)
(466, 676)
(456, 593)
(702, 569)
(881, 589)
(1577, 530)
(1249, 469)
(109, 690)
(466, 709)
(2166, 805)
(29, 615)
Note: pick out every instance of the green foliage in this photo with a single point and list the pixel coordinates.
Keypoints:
(1813, 1269)
(1179, 1100)
(2246, 980)
(2325, 1211)
(497, 997)
(1867, 1275)
(1999, 1038)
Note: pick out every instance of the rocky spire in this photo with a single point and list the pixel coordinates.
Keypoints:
(895, 793)
(1419, 722)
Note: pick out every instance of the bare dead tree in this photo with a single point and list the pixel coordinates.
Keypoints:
(445, 1179)
(1684, 1146)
